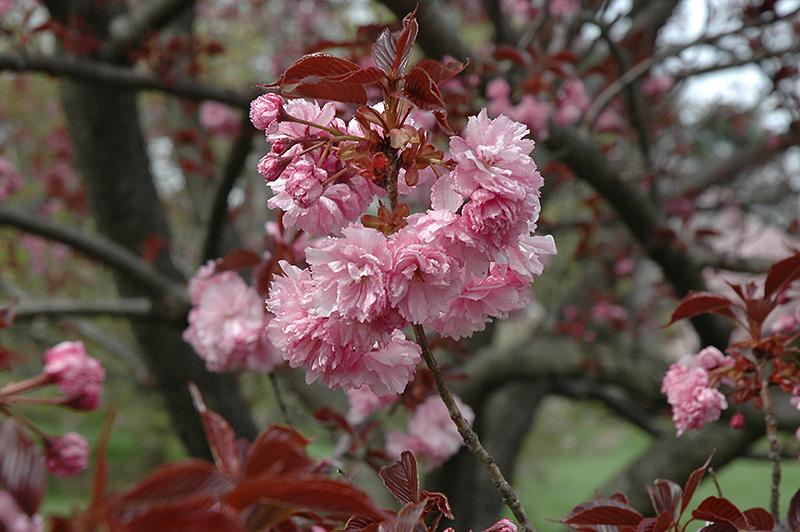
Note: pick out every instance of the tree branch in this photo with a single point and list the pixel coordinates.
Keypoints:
(469, 436)
(122, 77)
(139, 308)
(234, 165)
(641, 217)
(170, 294)
(128, 31)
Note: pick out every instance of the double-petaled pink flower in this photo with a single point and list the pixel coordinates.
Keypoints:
(78, 376)
(689, 389)
(66, 455)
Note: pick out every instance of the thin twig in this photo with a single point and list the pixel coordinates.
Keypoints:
(774, 445)
(471, 440)
(279, 398)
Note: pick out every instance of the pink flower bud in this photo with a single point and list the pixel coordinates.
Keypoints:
(503, 525)
(271, 166)
(737, 421)
(66, 455)
(265, 110)
(78, 376)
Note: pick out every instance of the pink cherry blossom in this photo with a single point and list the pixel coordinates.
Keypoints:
(227, 325)
(656, 86)
(534, 113)
(495, 222)
(12, 517)
(272, 165)
(528, 254)
(363, 402)
(339, 352)
(265, 110)
(66, 455)
(482, 299)
(503, 525)
(350, 273)
(493, 154)
(316, 208)
(78, 376)
(693, 402)
(218, 118)
(424, 277)
(308, 111)
(432, 436)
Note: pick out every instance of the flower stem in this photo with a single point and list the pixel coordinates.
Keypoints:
(774, 445)
(510, 497)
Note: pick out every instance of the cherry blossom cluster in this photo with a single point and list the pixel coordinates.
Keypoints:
(79, 378)
(467, 260)
(691, 386)
(227, 323)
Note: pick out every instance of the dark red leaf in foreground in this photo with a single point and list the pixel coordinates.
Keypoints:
(781, 274)
(759, 519)
(21, 467)
(692, 482)
(219, 434)
(189, 478)
(278, 449)
(603, 512)
(664, 495)
(698, 303)
(317, 494)
(408, 518)
(198, 515)
(439, 71)
(402, 478)
(720, 510)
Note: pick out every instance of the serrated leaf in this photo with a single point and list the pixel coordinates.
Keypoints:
(441, 71)
(314, 67)
(190, 478)
(422, 91)
(338, 91)
(198, 515)
(437, 502)
(698, 303)
(408, 518)
(21, 467)
(317, 494)
(781, 274)
(759, 519)
(402, 478)
(604, 512)
(692, 482)
(392, 50)
(665, 496)
(278, 449)
(720, 510)
(220, 436)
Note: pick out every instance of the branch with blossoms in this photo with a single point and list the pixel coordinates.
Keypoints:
(764, 358)
(468, 257)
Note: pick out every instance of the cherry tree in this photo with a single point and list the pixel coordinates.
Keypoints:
(422, 184)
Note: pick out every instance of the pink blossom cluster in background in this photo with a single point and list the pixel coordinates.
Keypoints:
(10, 180)
(470, 258)
(219, 118)
(227, 323)
(691, 389)
(363, 402)
(431, 436)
